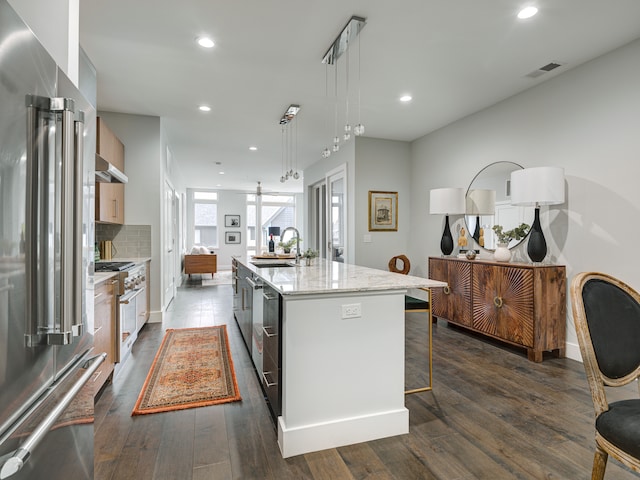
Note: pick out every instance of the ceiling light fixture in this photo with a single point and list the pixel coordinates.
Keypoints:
(221, 173)
(289, 114)
(406, 98)
(527, 12)
(253, 149)
(204, 108)
(289, 156)
(339, 46)
(205, 42)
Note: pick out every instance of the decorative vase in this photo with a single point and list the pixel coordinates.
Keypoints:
(537, 246)
(446, 244)
(502, 253)
(308, 261)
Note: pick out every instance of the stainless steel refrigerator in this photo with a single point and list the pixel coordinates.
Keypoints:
(47, 142)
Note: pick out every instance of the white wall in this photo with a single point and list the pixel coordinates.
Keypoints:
(56, 23)
(231, 203)
(144, 159)
(586, 120)
(381, 165)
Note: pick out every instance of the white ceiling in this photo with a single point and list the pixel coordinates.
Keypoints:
(454, 57)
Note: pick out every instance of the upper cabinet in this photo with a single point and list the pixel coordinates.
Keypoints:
(110, 203)
(108, 146)
(109, 196)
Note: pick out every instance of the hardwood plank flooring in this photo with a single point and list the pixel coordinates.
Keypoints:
(492, 415)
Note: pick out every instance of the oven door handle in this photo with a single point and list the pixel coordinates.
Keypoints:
(127, 297)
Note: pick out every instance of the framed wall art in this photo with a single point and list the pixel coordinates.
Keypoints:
(232, 237)
(383, 211)
(232, 221)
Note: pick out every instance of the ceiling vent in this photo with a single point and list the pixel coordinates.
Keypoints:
(544, 69)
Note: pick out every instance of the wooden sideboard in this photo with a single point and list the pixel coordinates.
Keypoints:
(519, 303)
(200, 264)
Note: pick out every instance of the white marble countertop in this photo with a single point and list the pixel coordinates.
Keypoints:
(332, 277)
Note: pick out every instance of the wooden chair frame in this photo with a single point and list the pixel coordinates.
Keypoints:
(597, 380)
(429, 386)
(406, 267)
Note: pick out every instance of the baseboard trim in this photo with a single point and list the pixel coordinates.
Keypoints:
(572, 351)
(320, 436)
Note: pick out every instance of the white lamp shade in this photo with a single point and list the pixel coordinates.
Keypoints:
(481, 202)
(447, 201)
(537, 186)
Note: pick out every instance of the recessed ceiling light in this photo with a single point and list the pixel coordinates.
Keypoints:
(405, 98)
(221, 172)
(204, 108)
(253, 149)
(205, 42)
(527, 12)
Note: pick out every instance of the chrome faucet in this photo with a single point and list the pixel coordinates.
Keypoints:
(297, 242)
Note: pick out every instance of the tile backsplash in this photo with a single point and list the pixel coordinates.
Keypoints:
(129, 241)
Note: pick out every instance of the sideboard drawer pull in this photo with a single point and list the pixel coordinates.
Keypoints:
(497, 301)
(446, 290)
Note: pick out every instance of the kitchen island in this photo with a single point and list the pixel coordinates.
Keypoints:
(339, 368)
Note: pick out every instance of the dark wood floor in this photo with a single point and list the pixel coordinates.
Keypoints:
(492, 415)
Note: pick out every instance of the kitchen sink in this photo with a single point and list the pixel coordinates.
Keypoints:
(268, 264)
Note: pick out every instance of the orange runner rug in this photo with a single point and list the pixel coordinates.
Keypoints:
(193, 368)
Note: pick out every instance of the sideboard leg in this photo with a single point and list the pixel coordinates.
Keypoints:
(534, 355)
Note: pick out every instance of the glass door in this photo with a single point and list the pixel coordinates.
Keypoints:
(337, 215)
(318, 216)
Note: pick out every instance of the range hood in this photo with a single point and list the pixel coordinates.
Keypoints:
(107, 173)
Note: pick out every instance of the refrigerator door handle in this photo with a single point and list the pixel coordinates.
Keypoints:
(71, 268)
(15, 463)
(70, 250)
(78, 154)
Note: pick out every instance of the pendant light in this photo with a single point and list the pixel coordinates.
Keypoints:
(336, 138)
(339, 46)
(295, 174)
(347, 126)
(326, 153)
(358, 130)
(289, 150)
(282, 178)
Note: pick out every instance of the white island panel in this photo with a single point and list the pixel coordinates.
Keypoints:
(343, 378)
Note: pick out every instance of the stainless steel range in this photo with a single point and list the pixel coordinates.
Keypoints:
(131, 304)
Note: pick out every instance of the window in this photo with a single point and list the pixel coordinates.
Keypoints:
(205, 218)
(267, 211)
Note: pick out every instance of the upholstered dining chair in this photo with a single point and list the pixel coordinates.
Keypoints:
(606, 313)
(415, 304)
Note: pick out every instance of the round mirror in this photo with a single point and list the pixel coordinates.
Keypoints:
(488, 204)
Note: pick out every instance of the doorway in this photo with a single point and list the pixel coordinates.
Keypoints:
(328, 205)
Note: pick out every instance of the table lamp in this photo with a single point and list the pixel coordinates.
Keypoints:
(537, 186)
(480, 202)
(447, 201)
